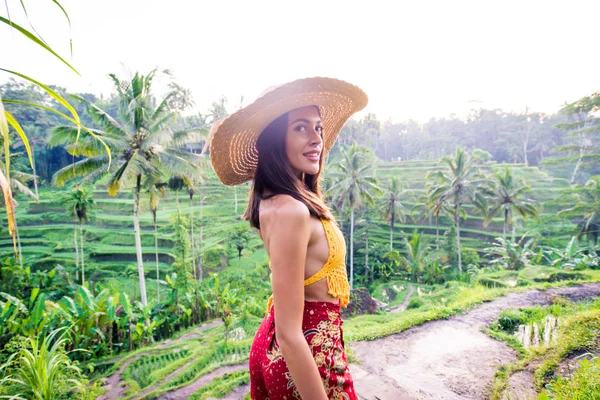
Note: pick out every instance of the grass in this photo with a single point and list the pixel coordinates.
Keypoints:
(221, 386)
(441, 302)
(579, 330)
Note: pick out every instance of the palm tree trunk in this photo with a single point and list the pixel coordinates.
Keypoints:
(367, 255)
(19, 244)
(200, 241)
(392, 231)
(82, 254)
(76, 252)
(505, 227)
(457, 220)
(192, 238)
(351, 247)
(35, 185)
(156, 254)
(235, 199)
(437, 232)
(577, 165)
(138, 240)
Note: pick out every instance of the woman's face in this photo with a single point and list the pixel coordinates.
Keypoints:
(304, 141)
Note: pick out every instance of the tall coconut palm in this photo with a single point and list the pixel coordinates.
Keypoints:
(434, 207)
(354, 186)
(80, 203)
(453, 187)
(391, 207)
(141, 142)
(587, 209)
(506, 194)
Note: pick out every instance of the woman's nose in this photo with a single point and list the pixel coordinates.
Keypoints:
(316, 137)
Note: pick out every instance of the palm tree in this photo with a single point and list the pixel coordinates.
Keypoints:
(415, 260)
(141, 143)
(353, 186)
(587, 209)
(434, 206)
(79, 204)
(391, 206)
(506, 194)
(453, 187)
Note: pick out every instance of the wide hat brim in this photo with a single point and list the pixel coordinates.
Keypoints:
(233, 150)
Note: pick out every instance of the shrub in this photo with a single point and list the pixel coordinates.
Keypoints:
(415, 302)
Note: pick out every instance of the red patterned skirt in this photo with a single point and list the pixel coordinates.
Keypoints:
(322, 327)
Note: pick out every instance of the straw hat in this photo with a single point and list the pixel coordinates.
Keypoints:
(233, 150)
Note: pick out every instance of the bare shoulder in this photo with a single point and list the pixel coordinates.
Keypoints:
(283, 208)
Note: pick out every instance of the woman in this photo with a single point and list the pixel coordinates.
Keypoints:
(280, 142)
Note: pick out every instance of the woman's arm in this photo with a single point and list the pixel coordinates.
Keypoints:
(289, 232)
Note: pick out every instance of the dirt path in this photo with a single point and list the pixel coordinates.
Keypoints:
(406, 301)
(115, 387)
(186, 391)
(192, 334)
(446, 359)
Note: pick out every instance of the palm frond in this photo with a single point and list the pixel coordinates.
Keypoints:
(81, 168)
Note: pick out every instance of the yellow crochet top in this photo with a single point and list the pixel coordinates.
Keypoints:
(334, 269)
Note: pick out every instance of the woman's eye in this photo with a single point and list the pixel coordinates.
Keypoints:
(302, 128)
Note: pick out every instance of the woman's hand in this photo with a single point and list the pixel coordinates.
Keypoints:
(288, 231)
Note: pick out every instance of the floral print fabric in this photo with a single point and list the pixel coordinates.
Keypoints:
(322, 327)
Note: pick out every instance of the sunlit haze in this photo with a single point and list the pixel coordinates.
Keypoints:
(414, 59)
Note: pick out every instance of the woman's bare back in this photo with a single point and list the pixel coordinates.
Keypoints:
(317, 252)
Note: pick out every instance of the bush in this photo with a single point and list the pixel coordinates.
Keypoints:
(563, 276)
(415, 302)
(214, 258)
(584, 384)
(492, 283)
(510, 320)
(470, 256)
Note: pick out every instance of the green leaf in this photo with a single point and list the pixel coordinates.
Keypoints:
(51, 92)
(36, 40)
(34, 293)
(126, 304)
(78, 124)
(6, 138)
(69, 21)
(17, 127)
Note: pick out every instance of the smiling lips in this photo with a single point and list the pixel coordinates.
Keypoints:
(312, 155)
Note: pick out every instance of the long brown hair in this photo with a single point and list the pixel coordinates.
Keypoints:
(275, 174)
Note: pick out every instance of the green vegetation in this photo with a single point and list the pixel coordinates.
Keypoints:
(545, 337)
(512, 204)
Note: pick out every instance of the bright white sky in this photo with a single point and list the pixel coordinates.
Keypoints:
(415, 59)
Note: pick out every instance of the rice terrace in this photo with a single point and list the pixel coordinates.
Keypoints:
(127, 270)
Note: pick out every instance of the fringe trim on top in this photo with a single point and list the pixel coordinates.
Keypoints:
(334, 269)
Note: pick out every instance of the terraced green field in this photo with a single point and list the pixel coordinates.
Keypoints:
(46, 230)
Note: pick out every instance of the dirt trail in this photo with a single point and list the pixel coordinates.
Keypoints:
(192, 334)
(186, 391)
(446, 359)
(406, 301)
(115, 387)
